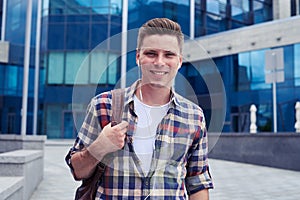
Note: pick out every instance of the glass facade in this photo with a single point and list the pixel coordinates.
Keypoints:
(11, 73)
(75, 53)
(297, 64)
(74, 30)
(215, 16)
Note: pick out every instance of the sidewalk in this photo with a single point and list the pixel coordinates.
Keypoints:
(233, 181)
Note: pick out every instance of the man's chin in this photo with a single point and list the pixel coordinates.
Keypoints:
(160, 85)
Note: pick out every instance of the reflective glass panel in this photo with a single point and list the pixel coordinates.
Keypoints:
(74, 61)
(11, 80)
(251, 70)
(112, 69)
(56, 68)
(297, 64)
(53, 120)
(98, 67)
(2, 75)
(77, 36)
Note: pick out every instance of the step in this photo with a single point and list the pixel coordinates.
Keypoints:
(11, 187)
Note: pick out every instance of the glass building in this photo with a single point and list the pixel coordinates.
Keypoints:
(75, 51)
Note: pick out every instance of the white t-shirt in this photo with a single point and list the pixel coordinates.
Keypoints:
(144, 139)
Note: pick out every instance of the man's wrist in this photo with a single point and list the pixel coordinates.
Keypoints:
(95, 151)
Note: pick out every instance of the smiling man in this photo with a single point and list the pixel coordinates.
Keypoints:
(159, 150)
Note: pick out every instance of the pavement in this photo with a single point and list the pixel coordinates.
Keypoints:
(232, 180)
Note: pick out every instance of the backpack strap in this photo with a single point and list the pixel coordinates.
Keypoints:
(117, 106)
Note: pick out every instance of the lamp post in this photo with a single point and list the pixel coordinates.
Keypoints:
(26, 67)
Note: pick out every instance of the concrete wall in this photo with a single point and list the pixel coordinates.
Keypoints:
(265, 35)
(22, 161)
(10, 142)
(281, 9)
(28, 164)
(280, 150)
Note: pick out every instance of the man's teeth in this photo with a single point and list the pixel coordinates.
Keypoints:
(159, 73)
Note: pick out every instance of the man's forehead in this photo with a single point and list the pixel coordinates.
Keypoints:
(161, 41)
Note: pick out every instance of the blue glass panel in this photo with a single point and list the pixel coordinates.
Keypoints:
(16, 21)
(98, 34)
(11, 80)
(113, 68)
(98, 69)
(84, 3)
(78, 18)
(102, 3)
(31, 83)
(77, 36)
(53, 115)
(239, 10)
(42, 82)
(297, 64)
(76, 69)
(251, 70)
(56, 68)
(98, 18)
(20, 81)
(262, 12)
(56, 36)
(56, 18)
(2, 78)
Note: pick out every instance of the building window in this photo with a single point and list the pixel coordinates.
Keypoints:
(76, 70)
(250, 74)
(11, 80)
(53, 115)
(297, 64)
(98, 63)
(262, 11)
(1, 15)
(219, 15)
(69, 68)
(295, 7)
(56, 68)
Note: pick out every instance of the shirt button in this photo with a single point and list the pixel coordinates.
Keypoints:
(146, 183)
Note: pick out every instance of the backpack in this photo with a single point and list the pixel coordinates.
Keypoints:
(88, 188)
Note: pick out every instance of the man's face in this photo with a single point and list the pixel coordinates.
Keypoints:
(159, 58)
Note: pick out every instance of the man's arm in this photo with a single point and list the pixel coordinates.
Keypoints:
(201, 195)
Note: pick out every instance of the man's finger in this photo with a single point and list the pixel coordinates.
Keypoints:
(122, 125)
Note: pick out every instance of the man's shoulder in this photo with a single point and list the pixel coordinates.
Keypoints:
(103, 97)
(185, 103)
(106, 97)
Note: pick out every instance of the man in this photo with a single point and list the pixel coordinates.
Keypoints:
(159, 150)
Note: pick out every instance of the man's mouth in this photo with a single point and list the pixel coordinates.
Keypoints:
(158, 72)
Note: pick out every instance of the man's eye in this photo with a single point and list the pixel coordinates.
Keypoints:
(170, 55)
(150, 54)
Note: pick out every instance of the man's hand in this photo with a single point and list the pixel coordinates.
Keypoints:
(109, 140)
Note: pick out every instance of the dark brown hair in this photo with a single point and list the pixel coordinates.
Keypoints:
(160, 26)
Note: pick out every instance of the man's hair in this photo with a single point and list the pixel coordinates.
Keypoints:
(160, 26)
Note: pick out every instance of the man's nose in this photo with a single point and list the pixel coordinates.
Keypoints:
(159, 60)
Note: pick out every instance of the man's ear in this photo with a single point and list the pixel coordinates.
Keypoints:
(137, 58)
(179, 62)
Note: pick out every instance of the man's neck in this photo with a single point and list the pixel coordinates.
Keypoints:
(153, 95)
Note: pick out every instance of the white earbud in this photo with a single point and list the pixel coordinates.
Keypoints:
(138, 63)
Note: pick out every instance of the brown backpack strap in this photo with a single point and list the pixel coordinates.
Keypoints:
(117, 106)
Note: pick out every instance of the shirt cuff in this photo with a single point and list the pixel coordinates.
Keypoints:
(199, 182)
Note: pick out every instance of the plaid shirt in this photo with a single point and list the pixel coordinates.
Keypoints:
(179, 160)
